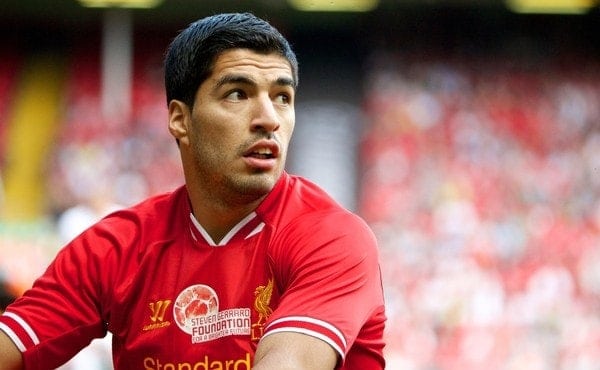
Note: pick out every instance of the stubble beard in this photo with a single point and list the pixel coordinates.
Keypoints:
(248, 188)
(234, 187)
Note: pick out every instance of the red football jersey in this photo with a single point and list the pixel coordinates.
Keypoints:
(173, 299)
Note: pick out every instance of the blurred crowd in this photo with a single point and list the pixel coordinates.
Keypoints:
(481, 179)
(479, 176)
(102, 163)
(98, 164)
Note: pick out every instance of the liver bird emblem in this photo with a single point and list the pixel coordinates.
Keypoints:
(262, 301)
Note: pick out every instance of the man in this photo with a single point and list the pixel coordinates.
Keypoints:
(244, 267)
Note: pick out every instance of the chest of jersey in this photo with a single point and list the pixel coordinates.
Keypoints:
(192, 306)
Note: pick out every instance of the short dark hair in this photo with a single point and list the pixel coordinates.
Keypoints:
(190, 57)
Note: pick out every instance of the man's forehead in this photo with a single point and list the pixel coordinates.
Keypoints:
(248, 61)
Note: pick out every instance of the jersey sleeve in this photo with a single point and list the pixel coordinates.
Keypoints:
(328, 266)
(59, 315)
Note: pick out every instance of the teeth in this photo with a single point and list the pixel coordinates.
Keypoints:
(264, 151)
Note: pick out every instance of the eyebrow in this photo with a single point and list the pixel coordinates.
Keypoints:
(245, 80)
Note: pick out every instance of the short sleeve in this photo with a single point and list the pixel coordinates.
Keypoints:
(59, 315)
(328, 264)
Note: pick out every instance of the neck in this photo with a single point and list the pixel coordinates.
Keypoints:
(218, 218)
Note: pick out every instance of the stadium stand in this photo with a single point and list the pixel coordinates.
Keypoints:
(481, 181)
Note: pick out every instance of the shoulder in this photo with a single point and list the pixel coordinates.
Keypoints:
(309, 222)
(152, 213)
(134, 228)
(333, 234)
(313, 210)
(310, 194)
(296, 197)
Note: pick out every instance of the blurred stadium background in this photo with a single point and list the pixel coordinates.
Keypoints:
(467, 133)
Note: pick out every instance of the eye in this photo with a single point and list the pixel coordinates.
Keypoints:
(235, 95)
(283, 98)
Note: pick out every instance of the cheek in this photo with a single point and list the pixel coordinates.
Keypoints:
(210, 144)
(208, 128)
(216, 145)
(287, 131)
(205, 137)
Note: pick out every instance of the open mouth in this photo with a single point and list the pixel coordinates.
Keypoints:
(264, 149)
(263, 153)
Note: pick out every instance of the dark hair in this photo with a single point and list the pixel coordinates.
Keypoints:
(190, 57)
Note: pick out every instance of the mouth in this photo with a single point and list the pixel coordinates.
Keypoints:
(263, 150)
(262, 153)
(262, 156)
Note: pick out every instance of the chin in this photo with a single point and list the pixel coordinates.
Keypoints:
(256, 185)
(262, 185)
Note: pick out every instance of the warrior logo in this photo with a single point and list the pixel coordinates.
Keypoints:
(196, 312)
(158, 309)
(157, 315)
(261, 305)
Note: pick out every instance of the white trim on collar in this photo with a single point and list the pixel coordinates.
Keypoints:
(227, 236)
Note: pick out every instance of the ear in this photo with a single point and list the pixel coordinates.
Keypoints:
(179, 118)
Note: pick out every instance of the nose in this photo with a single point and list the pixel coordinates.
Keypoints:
(265, 117)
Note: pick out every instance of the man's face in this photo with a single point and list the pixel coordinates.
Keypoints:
(239, 129)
